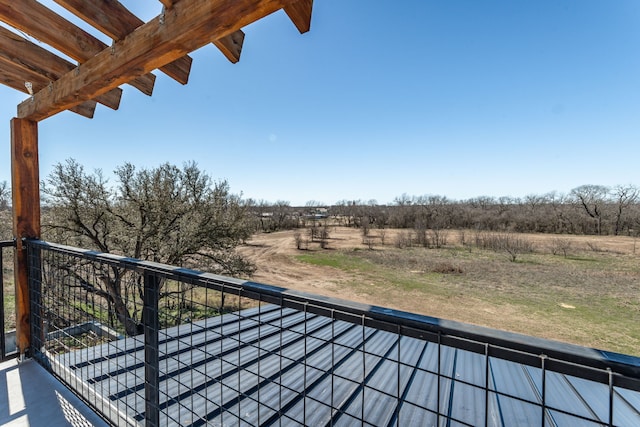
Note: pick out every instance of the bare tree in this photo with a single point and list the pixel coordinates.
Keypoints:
(625, 195)
(301, 241)
(382, 234)
(5, 213)
(5, 195)
(593, 199)
(167, 215)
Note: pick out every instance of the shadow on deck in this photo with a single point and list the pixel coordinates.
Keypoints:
(31, 396)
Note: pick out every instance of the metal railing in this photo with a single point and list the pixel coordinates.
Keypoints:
(152, 344)
(5, 350)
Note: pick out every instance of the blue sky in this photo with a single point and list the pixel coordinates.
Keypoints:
(460, 98)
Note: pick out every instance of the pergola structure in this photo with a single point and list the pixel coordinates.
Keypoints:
(55, 84)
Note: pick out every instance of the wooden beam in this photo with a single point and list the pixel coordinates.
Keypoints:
(25, 191)
(31, 58)
(116, 21)
(300, 13)
(231, 45)
(33, 18)
(16, 78)
(187, 26)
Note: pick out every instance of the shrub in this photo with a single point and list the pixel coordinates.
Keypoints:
(403, 240)
(510, 243)
(446, 268)
(560, 246)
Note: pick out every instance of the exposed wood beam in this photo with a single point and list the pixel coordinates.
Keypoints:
(86, 109)
(116, 21)
(25, 191)
(231, 45)
(42, 23)
(300, 13)
(187, 26)
(32, 58)
(14, 77)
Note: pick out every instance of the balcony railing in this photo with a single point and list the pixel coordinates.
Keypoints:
(152, 344)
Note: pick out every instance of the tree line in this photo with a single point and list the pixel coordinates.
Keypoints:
(585, 210)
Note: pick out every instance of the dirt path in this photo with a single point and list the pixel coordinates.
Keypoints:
(274, 255)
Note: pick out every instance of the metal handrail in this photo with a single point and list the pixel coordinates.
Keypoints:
(596, 365)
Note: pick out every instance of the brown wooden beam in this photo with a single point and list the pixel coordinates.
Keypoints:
(167, 3)
(33, 18)
(300, 13)
(187, 26)
(116, 21)
(16, 78)
(25, 191)
(32, 58)
(231, 45)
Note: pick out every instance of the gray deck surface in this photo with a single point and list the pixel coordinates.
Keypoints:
(215, 371)
(31, 396)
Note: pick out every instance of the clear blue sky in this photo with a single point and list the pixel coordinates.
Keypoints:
(460, 98)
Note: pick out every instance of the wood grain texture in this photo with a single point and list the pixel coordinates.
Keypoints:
(231, 45)
(25, 191)
(113, 19)
(23, 61)
(300, 14)
(43, 24)
(187, 26)
(16, 78)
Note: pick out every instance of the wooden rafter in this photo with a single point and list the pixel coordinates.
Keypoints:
(42, 23)
(26, 59)
(187, 26)
(116, 21)
(167, 3)
(300, 13)
(230, 45)
(23, 61)
(18, 78)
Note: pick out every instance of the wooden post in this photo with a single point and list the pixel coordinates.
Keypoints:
(25, 189)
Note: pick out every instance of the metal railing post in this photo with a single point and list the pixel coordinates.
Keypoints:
(36, 318)
(151, 323)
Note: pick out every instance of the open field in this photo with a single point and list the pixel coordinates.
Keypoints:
(588, 293)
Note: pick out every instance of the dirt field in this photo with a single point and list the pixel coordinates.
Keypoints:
(274, 254)
(490, 292)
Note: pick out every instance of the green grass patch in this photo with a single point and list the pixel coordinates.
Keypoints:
(580, 258)
(586, 299)
(96, 312)
(337, 259)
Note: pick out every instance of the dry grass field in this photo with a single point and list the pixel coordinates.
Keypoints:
(587, 293)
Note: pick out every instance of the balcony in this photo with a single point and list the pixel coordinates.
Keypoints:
(176, 347)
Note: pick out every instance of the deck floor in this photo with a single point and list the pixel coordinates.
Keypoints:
(31, 396)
